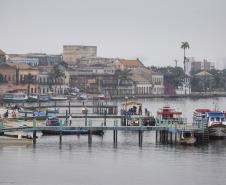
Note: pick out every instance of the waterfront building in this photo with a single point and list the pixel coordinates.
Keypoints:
(147, 82)
(50, 85)
(191, 65)
(2, 56)
(123, 64)
(158, 83)
(71, 53)
(23, 60)
(16, 77)
(185, 88)
(95, 61)
(94, 79)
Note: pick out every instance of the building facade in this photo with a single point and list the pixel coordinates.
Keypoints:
(71, 53)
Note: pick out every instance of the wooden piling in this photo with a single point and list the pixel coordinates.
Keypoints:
(90, 138)
(60, 137)
(115, 137)
(34, 137)
(140, 137)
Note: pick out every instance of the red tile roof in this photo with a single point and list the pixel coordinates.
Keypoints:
(131, 63)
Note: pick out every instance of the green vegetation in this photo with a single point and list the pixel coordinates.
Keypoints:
(28, 80)
(1, 78)
(172, 75)
(207, 83)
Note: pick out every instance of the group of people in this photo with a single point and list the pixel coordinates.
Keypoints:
(132, 111)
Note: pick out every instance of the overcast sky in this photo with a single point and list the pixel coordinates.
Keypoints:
(149, 29)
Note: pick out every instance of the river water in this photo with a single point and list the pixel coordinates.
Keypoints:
(74, 162)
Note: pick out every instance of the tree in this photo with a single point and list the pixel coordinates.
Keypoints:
(1, 78)
(28, 80)
(184, 46)
(56, 74)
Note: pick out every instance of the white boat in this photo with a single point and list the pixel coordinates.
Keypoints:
(216, 124)
(15, 97)
(44, 98)
(58, 98)
(213, 120)
(82, 97)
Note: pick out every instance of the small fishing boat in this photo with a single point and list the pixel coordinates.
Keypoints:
(187, 138)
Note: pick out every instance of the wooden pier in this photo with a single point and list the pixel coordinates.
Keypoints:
(164, 133)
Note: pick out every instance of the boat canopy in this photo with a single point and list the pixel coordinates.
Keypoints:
(131, 103)
(215, 114)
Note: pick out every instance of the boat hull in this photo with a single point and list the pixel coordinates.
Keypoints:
(72, 132)
(217, 131)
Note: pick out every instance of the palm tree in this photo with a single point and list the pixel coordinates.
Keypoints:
(184, 46)
(57, 74)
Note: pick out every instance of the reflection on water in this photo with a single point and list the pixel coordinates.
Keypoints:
(74, 162)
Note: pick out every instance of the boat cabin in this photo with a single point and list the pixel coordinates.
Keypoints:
(215, 118)
(168, 113)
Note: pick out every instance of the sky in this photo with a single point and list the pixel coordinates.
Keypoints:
(151, 30)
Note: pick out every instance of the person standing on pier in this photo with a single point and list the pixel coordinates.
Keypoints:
(70, 120)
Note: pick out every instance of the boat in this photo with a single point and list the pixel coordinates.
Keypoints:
(44, 98)
(54, 121)
(58, 98)
(187, 138)
(213, 120)
(132, 110)
(82, 97)
(168, 113)
(15, 97)
(216, 124)
(32, 98)
(15, 139)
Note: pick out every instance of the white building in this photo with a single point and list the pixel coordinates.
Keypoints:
(24, 60)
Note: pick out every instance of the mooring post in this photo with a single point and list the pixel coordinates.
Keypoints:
(60, 135)
(105, 117)
(90, 137)
(171, 137)
(156, 135)
(90, 133)
(66, 118)
(34, 137)
(115, 132)
(69, 107)
(85, 118)
(140, 135)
